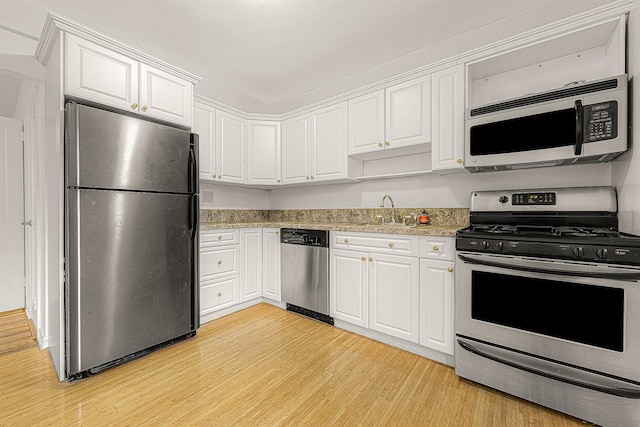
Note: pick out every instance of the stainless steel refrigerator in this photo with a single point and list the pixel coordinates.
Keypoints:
(131, 237)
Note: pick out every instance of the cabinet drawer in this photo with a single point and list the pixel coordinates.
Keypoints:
(217, 294)
(213, 238)
(219, 262)
(381, 243)
(435, 247)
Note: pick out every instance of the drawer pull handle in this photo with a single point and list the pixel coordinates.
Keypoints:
(144, 108)
(380, 144)
(219, 294)
(450, 269)
(387, 143)
(370, 258)
(134, 105)
(219, 237)
(391, 245)
(219, 262)
(436, 248)
(364, 258)
(346, 241)
(459, 161)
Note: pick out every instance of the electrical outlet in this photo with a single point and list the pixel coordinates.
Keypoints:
(207, 197)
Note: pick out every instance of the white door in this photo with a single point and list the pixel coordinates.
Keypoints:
(329, 143)
(271, 263)
(408, 113)
(263, 155)
(395, 284)
(349, 286)
(11, 216)
(204, 118)
(231, 147)
(251, 259)
(165, 96)
(366, 123)
(436, 305)
(447, 107)
(295, 150)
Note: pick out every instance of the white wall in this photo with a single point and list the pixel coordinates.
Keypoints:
(626, 171)
(434, 191)
(233, 197)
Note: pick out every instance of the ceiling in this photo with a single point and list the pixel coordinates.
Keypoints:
(272, 55)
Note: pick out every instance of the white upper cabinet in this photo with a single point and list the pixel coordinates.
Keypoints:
(366, 123)
(447, 108)
(314, 147)
(408, 113)
(263, 154)
(396, 117)
(95, 73)
(204, 119)
(296, 150)
(230, 148)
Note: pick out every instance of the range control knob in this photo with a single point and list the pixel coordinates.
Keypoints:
(484, 244)
(601, 253)
(578, 251)
(500, 246)
(503, 199)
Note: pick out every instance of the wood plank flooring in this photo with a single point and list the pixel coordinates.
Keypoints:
(262, 366)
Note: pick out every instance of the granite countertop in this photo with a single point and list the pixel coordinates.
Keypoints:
(420, 230)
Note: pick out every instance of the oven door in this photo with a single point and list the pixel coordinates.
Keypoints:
(583, 315)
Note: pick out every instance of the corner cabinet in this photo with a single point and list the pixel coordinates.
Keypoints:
(314, 147)
(271, 263)
(98, 74)
(263, 153)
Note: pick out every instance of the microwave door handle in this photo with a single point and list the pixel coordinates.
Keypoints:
(579, 109)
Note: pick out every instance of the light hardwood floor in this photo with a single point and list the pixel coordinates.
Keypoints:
(262, 366)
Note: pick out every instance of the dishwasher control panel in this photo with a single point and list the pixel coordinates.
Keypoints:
(296, 236)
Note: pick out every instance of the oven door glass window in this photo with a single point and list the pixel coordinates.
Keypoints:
(585, 314)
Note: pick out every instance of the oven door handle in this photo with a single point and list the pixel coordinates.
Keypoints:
(546, 267)
(550, 369)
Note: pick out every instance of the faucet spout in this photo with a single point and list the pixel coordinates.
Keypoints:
(393, 208)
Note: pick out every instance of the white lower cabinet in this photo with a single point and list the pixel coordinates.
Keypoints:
(271, 263)
(251, 263)
(436, 294)
(219, 270)
(376, 290)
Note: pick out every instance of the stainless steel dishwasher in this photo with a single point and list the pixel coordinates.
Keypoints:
(305, 272)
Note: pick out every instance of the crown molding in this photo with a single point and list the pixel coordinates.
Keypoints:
(55, 24)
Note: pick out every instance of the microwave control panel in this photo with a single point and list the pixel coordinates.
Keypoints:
(600, 121)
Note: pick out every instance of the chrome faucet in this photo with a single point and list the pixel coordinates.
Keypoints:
(393, 208)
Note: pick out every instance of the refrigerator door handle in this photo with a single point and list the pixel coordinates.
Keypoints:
(193, 165)
(193, 215)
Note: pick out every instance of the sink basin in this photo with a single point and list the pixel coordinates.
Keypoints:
(388, 225)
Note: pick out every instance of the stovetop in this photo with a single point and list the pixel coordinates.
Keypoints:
(568, 224)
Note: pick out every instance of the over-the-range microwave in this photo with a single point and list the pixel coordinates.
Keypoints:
(579, 123)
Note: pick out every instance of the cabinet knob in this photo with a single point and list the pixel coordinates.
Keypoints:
(219, 294)
(308, 178)
(370, 258)
(387, 143)
(219, 237)
(380, 144)
(277, 232)
(391, 245)
(312, 177)
(134, 105)
(346, 241)
(450, 269)
(219, 262)
(219, 176)
(144, 108)
(436, 248)
(278, 181)
(459, 161)
(364, 258)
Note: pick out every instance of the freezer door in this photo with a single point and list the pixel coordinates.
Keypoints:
(131, 273)
(113, 151)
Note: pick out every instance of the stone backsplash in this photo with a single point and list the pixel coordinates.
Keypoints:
(437, 216)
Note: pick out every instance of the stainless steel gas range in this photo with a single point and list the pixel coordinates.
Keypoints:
(548, 301)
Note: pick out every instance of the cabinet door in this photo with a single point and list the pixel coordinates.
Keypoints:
(394, 282)
(165, 96)
(97, 74)
(408, 113)
(251, 270)
(271, 263)
(296, 134)
(263, 153)
(436, 305)
(204, 118)
(230, 148)
(218, 294)
(447, 148)
(349, 286)
(329, 143)
(366, 123)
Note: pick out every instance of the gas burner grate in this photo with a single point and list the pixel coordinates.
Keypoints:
(584, 232)
(496, 229)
